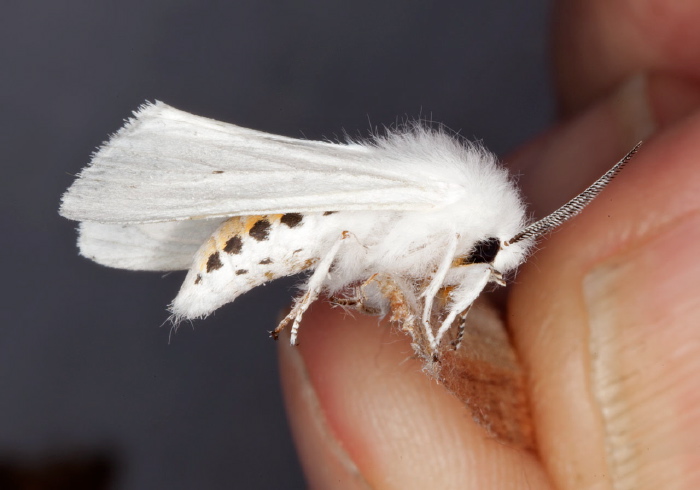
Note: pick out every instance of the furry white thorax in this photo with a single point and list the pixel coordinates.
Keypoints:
(484, 203)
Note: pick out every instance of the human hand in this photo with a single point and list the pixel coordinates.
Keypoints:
(605, 316)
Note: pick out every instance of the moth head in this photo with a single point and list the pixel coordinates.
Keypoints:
(492, 251)
(506, 254)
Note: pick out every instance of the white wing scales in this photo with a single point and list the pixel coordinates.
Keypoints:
(245, 252)
(166, 165)
(164, 246)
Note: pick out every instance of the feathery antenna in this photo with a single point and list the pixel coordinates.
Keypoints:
(573, 207)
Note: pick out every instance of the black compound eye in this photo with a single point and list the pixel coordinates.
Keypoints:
(485, 251)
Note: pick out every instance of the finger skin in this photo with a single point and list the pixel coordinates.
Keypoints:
(605, 319)
(608, 336)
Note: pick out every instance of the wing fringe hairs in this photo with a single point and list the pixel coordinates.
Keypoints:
(414, 223)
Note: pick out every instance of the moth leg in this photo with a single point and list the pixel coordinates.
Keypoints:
(399, 306)
(359, 302)
(313, 289)
(457, 343)
(354, 302)
(462, 298)
(435, 285)
(367, 282)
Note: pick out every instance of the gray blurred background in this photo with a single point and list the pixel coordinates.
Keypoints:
(87, 372)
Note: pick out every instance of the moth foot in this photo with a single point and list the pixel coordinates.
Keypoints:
(275, 334)
(338, 301)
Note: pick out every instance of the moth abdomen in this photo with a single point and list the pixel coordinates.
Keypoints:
(245, 252)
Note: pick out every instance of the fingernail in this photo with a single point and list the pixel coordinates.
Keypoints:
(643, 306)
(326, 464)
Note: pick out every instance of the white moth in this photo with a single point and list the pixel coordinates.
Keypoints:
(415, 223)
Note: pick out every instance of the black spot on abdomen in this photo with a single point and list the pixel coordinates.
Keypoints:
(241, 271)
(234, 245)
(292, 219)
(214, 262)
(260, 230)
